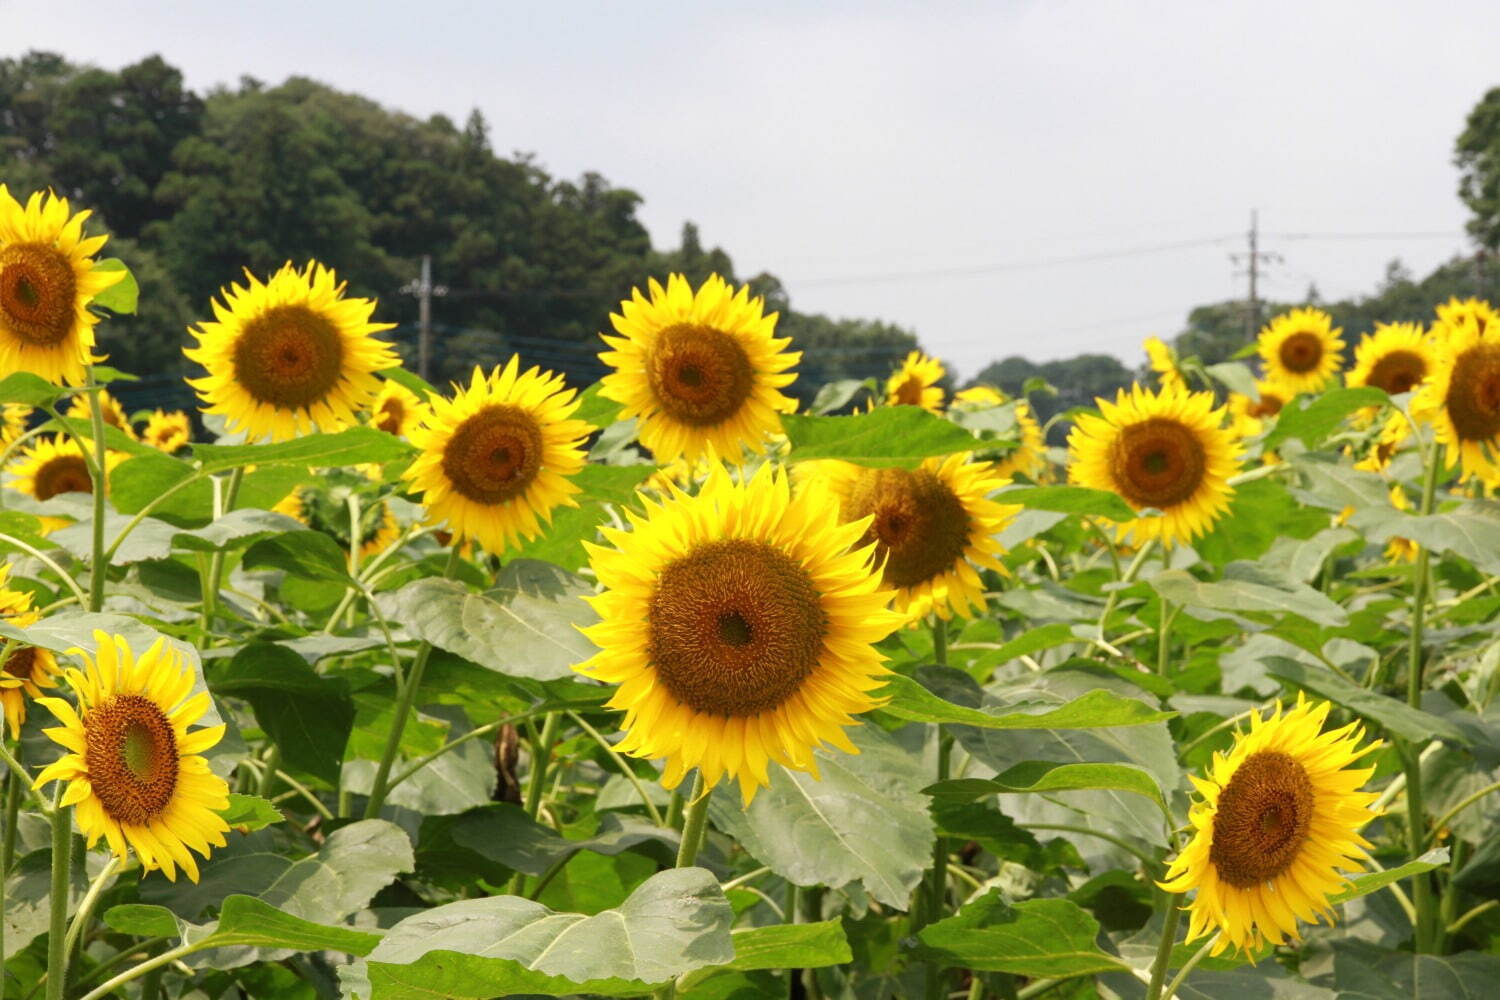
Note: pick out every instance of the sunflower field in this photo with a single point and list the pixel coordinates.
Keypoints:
(354, 686)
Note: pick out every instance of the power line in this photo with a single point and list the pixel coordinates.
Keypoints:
(1429, 235)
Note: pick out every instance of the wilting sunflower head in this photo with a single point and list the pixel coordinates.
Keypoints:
(1167, 451)
(497, 458)
(27, 669)
(289, 355)
(47, 280)
(50, 466)
(1396, 358)
(396, 409)
(1301, 350)
(134, 771)
(1278, 823)
(1247, 416)
(1461, 399)
(80, 412)
(168, 431)
(1163, 362)
(933, 527)
(915, 383)
(701, 372)
(1456, 313)
(740, 627)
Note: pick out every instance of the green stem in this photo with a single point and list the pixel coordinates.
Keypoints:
(216, 561)
(694, 826)
(1124, 845)
(13, 785)
(1164, 948)
(939, 641)
(24, 779)
(1164, 638)
(541, 757)
(268, 774)
(622, 764)
(1187, 967)
(673, 819)
(1477, 911)
(98, 567)
(1447, 817)
(136, 971)
(51, 564)
(62, 856)
(1125, 581)
(404, 699)
(86, 906)
(1448, 905)
(1416, 822)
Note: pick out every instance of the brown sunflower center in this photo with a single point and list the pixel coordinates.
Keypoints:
(22, 663)
(699, 375)
(1262, 819)
(1302, 352)
(1268, 405)
(919, 525)
(1398, 372)
(494, 454)
(909, 393)
(131, 755)
(1157, 463)
(736, 626)
(392, 415)
(290, 357)
(63, 474)
(38, 293)
(1473, 400)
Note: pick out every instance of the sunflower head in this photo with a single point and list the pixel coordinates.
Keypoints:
(702, 371)
(134, 771)
(396, 409)
(1461, 398)
(14, 419)
(28, 669)
(915, 383)
(1167, 451)
(1163, 361)
(978, 397)
(1301, 349)
(1396, 358)
(168, 431)
(289, 354)
(114, 414)
(933, 528)
(1458, 312)
(1247, 416)
(497, 458)
(50, 466)
(1278, 822)
(328, 510)
(740, 626)
(47, 280)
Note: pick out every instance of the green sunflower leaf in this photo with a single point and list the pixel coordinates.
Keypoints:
(1070, 500)
(1038, 938)
(124, 295)
(353, 446)
(1321, 415)
(911, 701)
(887, 436)
(1045, 776)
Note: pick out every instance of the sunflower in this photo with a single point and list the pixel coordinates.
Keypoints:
(915, 383)
(14, 420)
(740, 627)
(113, 413)
(47, 280)
(1393, 433)
(978, 397)
(1247, 416)
(1455, 312)
(701, 372)
(1461, 398)
(1396, 358)
(931, 526)
(168, 431)
(396, 409)
(1279, 819)
(1401, 549)
(1163, 450)
(1028, 457)
(1301, 349)
(134, 771)
(49, 466)
(497, 457)
(1164, 362)
(379, 526)
(289, 354)
(27, 669)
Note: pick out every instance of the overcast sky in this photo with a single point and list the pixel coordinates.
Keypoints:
(939, 165)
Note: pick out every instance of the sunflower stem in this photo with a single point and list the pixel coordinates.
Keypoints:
(1164, 637)
(62, 855)
(86, 906)
(13, 783)
(1164, 949)
(939, 641)
(216, 561)
(1416, 817)
(1187, 967)
(694, 825)
(98, 570)
(1131, 572)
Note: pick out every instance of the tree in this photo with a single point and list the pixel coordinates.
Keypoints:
(1477, 156)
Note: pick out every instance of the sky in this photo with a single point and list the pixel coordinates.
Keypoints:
(1042, 179)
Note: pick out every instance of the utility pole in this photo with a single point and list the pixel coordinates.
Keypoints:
(1253, 261)
(424, 290)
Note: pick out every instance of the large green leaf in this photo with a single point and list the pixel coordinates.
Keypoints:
(240, 528)
(502, 834)
(1044, 776)
(675, 922)
(308, 716)
(1470, 531)
(1363, 972)
(888, 435)
(525, 627)
(1321, 415)
(354, 446)
(460, 779)
(307, 555)
(865, 820)
(911, 701)
(595, 409)
(1245, 595)
(1398, 718)
(32, 390)
(1038, 938)
(247, 813)
(246, 922)
(1070, 500)
(121, 297)
(781, 946)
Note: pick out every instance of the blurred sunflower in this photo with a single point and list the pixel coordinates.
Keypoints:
(28, 669)
(1165, 450)
(1164, 362)
(700, 372)
(740, 627)
(396, 409)
(1396, 358)
(14, 420)
(378, 527)
(1393, 433)
(1461, 398)
(931, 526)
(915, 383)
(1028, 457)
(496, 458)
(48, 278)
(1279, 820)
(1301, 350)
(289, 355)
(114, 414)
(49, 466)
(135, 773)
(1401, 549)
(1247, 416)
(168, 431)
(978, 397)
(1456, 312)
